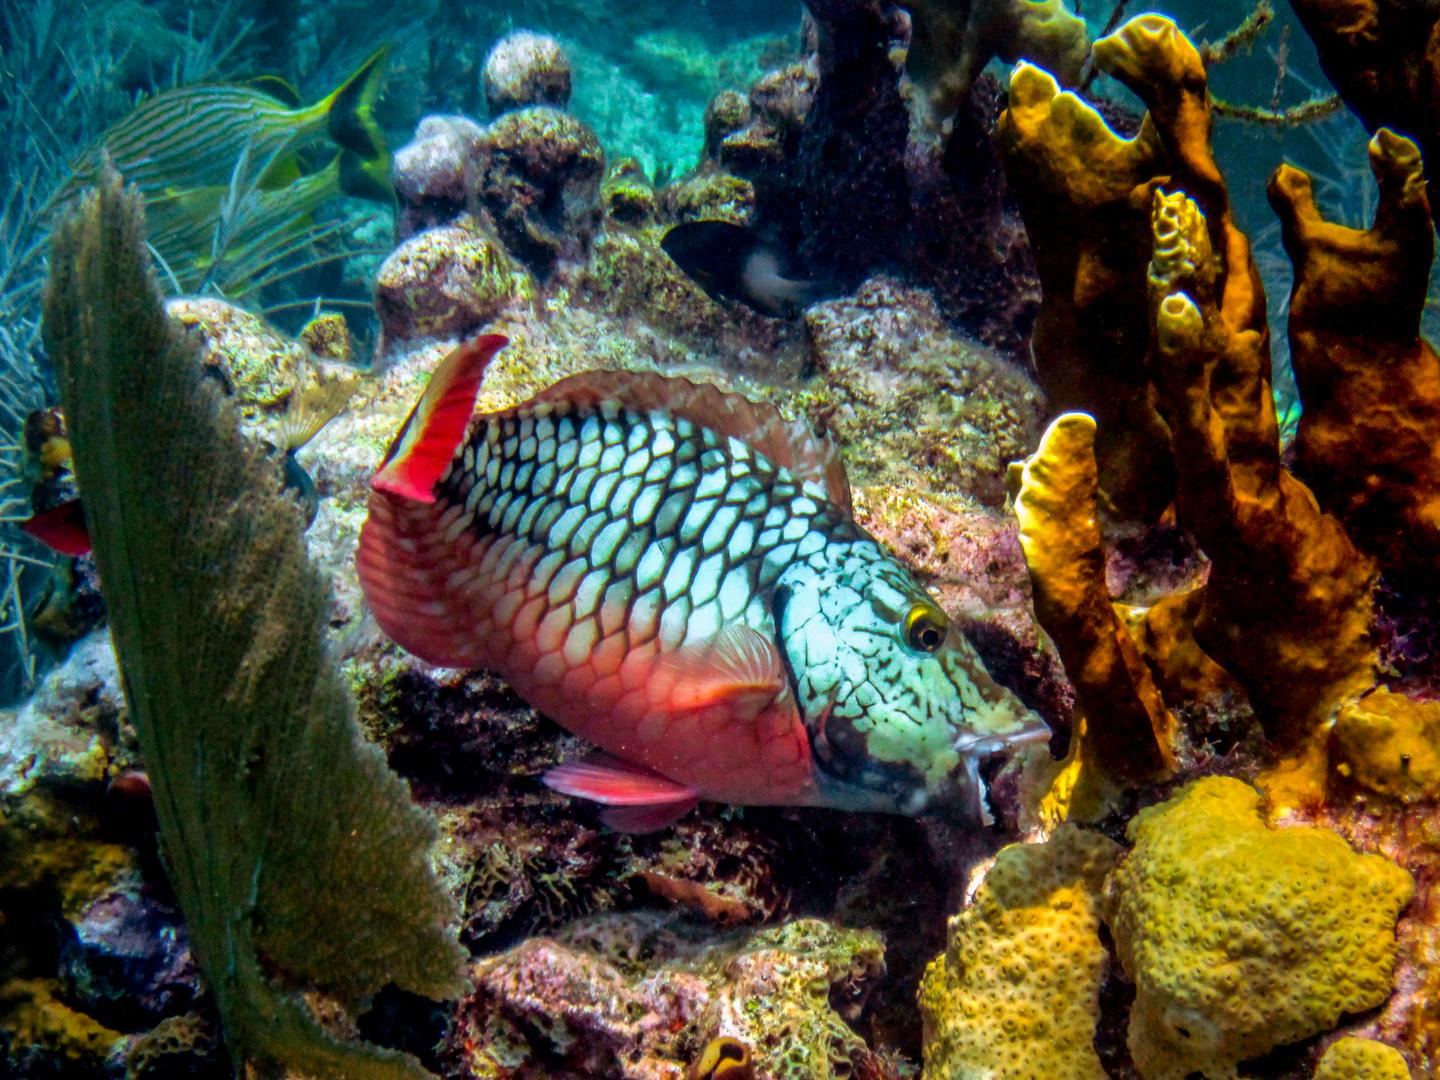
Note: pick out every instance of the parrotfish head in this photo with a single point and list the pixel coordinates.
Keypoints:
(901, 712)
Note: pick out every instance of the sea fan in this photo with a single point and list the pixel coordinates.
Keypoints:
(298, 859)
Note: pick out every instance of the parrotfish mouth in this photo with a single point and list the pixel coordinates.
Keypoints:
(977, 749)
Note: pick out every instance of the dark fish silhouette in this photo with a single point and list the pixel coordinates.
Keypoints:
(732, 263)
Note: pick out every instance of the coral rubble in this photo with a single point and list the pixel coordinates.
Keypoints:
(636, 997)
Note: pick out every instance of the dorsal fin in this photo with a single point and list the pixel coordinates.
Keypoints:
(426, 443)
(791, 444)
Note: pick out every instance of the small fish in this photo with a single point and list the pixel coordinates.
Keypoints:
(306, 414)
(731, 263)
(724, 1058)
(191, 137)
(62, 528)
(673, 573)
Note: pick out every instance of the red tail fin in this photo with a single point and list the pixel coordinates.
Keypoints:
(422, 450)
(404, 560)
(61, 528)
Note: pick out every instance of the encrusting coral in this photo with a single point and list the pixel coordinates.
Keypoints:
(1016, 994)
(1390, 744)
(1369, 383)
(1361, 1059)
(296, 856)
(1240, 937)
(1129, 740)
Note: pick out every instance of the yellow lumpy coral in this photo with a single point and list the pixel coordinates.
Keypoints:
(1239, 937)
(1362, 1059)
(1390, 744)
(1015, 995)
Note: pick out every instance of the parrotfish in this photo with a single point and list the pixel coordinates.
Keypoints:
(674, 573)
(732, 263)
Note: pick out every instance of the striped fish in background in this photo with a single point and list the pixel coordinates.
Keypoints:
(673, 573)
(220, 170)
(191, 137)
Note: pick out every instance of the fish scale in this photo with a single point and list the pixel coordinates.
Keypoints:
(567, 557)
(674, 574)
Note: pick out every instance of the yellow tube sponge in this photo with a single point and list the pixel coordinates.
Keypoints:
(1361, 1059)
(1016, 994)
(1239, 937)
(1369, 383)
(1127, 732)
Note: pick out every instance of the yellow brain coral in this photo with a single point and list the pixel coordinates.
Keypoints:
(1015, 995)
(1240, 937)
(1362, 1059)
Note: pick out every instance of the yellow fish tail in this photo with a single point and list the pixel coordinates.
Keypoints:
(350, 118)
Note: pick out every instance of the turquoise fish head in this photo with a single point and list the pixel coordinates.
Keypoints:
(900, 710)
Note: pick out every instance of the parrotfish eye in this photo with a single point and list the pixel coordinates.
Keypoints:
(926, 628)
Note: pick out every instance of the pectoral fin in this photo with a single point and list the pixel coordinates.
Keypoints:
(739, 668)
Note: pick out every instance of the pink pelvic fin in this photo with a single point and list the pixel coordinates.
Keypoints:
(423, 449)
(738, 667)
(608, 780)
(646, 819)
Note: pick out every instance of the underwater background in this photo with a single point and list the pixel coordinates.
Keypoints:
(1105, 334)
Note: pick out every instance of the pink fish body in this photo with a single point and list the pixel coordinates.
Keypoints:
(624, 549)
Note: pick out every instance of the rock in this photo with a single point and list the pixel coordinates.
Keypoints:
(541, 184)
(445, 282)
(524, 68)
(127, 961)
(436, 172)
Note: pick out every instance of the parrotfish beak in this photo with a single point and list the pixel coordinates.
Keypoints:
(969, 798)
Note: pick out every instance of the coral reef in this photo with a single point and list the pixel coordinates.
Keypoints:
(1369, 384)
(525, 68)
(1232, 635)
(1016, 994)
(1240, 937)
(639, 996)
